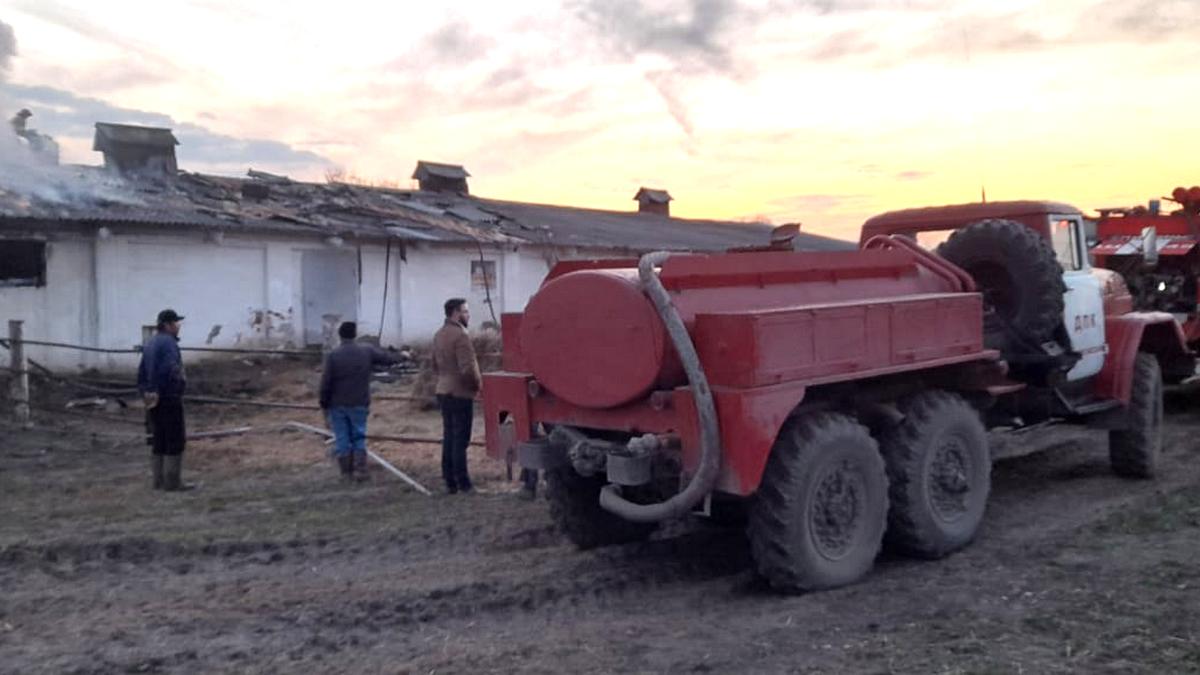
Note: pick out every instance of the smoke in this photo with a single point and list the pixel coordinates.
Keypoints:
(8, 49)
(28, 175)
(667, 85)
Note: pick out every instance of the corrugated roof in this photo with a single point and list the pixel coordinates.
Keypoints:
(215, 202)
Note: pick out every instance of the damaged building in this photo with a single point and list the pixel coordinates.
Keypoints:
(265, 261)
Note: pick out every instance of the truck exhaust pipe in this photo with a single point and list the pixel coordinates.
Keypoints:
(705, 477)
(1150, 246)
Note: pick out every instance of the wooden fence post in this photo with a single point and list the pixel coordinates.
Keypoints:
(20, 369)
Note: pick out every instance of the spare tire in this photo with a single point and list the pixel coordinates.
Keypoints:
(1017, 272)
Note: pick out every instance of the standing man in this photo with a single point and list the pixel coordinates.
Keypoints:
(346, 398)
(162, 383)
(458, 381)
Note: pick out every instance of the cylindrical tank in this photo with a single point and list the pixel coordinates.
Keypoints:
(592, 338)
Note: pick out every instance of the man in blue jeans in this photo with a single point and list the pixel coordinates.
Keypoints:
(346, 398)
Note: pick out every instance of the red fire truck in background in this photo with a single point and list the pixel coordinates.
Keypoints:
(1157, 252)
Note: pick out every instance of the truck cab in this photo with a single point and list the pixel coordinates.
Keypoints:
(1091, 298)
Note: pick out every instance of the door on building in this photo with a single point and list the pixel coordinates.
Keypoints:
(329, 281)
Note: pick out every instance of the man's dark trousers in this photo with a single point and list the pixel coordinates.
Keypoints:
(457, 416)
(168, 432)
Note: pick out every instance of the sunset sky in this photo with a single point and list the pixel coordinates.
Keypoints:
(822, 111)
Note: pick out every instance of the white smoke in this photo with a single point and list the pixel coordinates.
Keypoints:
(30, 175)
(8, 49)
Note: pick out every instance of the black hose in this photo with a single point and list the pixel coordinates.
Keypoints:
(710, 433)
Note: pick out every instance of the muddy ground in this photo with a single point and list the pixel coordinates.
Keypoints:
(273, 565)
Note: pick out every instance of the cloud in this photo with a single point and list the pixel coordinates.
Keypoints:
(818, 202)
(837, 215)
(8, 48)
(71, 19)
(504, 153)
(455, 43)
(912, 175)
(693, 35)
(1144, 20)
(955, 33)
(66, 115)
(982, 34)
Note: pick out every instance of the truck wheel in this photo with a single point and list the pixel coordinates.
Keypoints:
(575, 508)
(1134, 451)
(818, 518)
(1015, 269)
(939, 473)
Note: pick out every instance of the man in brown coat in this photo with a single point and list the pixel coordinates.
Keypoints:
(458, 381)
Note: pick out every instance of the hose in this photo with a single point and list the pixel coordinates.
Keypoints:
(710, 438)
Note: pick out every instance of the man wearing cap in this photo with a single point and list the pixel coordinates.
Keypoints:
(162, 383)
(346, 398)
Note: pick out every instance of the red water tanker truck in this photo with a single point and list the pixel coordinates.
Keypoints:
(842, 398)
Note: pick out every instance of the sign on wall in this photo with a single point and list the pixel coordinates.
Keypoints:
(483, 275)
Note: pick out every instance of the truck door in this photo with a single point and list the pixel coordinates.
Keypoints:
(1083, 302)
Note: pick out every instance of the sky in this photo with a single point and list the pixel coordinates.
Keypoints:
(823, 112)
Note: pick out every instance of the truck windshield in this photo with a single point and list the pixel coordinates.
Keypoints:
(933, 238)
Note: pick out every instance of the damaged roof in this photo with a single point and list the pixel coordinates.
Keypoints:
(92, 196)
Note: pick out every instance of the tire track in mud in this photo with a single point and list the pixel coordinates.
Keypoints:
(574, 580)
(510, 566)
(147, 552)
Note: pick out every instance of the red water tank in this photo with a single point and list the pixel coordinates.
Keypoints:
(593, 338)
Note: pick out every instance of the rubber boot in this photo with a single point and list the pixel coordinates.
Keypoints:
(173, 474)
(156, 470)
(360, 465)
(346, 465)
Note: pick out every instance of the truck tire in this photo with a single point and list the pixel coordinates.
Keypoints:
(818, 518)
(939, 473)
(575, 508)
(1017, 272)
(1134, 451)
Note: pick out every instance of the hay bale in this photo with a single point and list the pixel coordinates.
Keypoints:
(488, 347)
(424, 389)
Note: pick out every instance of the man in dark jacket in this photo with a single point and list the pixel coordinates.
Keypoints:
(346, 398)
(162, 383)
(458, 381)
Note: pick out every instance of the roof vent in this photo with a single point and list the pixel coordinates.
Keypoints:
(134, 149)
(653, 201)
(437, 177)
